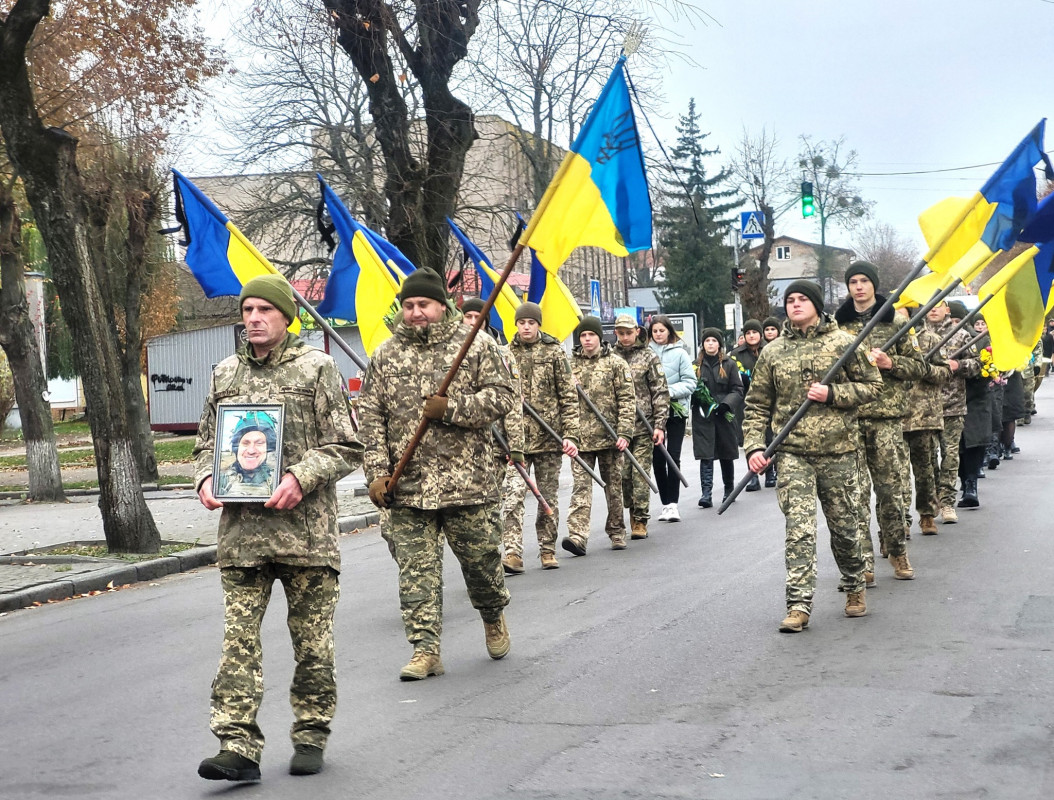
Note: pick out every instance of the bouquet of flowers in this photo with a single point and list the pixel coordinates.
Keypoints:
(706, 401)
(988, 370)
(678, 409)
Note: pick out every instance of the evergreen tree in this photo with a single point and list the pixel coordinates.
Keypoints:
(693, 229)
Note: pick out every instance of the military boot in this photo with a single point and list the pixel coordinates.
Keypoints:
(549, 560)
(706, 483)
(856, 604)
(928, 525)
(228, 766)
(794, 622)
(869, 579)
(306, 760)
(512, 564)
(421, 666)
(638, 529)
(770, 476)
(948, 515)
(618, 541)
(902, 569)
(755, 484)
(969, 499)
(497, 636)
(573, 545)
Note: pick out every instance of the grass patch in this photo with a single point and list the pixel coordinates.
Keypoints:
(100, 551)
(164, 480)
(178, 452)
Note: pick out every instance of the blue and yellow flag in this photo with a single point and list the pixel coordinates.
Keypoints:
(560, 311)
(599, 196)
(1022, 293)
(218, 254)
(366, 275)
(964, 235)
(503, 312)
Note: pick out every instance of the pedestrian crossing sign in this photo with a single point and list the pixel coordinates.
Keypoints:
(751, 225)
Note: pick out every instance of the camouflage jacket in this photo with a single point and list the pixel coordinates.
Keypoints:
(953, 391)
(453, 464)
(607, 380)
(924, 399)
(511, 426)
(318, 447)
(905, 355)
(649, 385)
(546, 383)
(785, 370)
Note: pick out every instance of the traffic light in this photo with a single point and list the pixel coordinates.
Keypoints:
(738, 278)
(808, 207)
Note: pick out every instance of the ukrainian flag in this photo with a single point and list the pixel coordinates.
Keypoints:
(503, 313)
(365, 277)
(1022, 293)
(599, 196)
(560, 312)
(964, 235)
(218, 254)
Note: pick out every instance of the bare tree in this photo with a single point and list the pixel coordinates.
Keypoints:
(761, 175)
(894, 255)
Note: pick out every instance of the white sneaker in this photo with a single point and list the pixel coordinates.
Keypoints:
(674, 515)
(664, 514)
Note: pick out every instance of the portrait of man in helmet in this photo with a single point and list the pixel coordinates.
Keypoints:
(250, 452)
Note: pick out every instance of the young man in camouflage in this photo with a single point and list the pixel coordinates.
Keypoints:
(547, 384)
(940, 321)
(818, 457)
(653, 399)
(606, 379)
(292, 537)
(922, 429)
(881, 430)
(449, 489)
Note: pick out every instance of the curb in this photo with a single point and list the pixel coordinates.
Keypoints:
(121, 574)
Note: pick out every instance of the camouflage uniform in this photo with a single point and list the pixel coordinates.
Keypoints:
(546, 383)
(922, 427)
(818, 458)
(450, 487)
(881, 430)
(953, 394)
(653, 399)
(607, 380)
(298, 546)
(1030, 382)
(256, 483)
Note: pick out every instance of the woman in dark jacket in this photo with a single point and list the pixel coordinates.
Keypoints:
(717, 398)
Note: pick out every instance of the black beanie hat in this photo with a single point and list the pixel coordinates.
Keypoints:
(715, 333)
(472, 304)
(590, 323)
(865, 268)
(771, 322)
(423, 282)
(807, 288)
(529, 311)
(958, 309)
(752, 325)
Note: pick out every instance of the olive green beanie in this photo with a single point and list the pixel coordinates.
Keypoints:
(275, 289)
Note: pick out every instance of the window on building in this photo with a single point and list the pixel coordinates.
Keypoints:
(783, 253)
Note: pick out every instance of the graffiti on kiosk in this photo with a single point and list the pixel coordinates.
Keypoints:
(169, 383)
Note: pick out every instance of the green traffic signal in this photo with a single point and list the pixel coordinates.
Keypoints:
(808, 206)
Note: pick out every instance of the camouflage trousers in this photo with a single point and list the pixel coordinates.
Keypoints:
(514, 494)
(834, 480)
(1028, 386)
(905, 481)
(636, 494)
(922, 445)
(948, 465)
(881, 469)
(473, 533)
(311, 596)
(609, 464)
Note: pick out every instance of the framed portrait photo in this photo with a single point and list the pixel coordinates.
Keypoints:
(248, 463)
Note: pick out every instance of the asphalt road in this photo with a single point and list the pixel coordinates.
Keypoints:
(656, 672)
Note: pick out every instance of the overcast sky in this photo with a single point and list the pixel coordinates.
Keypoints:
(913, 85)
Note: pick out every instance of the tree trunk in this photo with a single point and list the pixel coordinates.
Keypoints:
(756, 292)
(18, 338)
(46, 161)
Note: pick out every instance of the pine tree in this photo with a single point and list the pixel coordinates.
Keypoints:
(693, 229)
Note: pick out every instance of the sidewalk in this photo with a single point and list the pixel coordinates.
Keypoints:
(29, 527)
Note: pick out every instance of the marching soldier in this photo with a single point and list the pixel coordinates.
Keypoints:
(653, 400)
(547, 384)
(606, 379)
(449, 489)
(818, 458)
